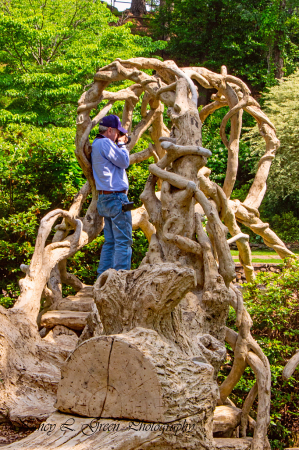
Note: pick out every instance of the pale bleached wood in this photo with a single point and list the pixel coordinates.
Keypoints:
(150, 313)
(291, 366)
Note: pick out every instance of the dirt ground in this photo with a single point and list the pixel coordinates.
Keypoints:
(10, 434)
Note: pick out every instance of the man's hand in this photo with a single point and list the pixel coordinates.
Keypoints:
(123, 139)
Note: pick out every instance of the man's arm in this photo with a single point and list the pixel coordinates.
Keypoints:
(119, 156)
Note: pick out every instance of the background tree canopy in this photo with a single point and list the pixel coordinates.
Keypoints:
(281, 203)
(50, 50)
(255, 39)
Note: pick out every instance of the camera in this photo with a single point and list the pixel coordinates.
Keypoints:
(128, 206)
(128, 138)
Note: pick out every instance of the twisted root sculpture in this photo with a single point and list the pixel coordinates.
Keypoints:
(181, 312)
(159, 90)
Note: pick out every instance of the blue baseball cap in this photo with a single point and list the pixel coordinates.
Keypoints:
(113, 122)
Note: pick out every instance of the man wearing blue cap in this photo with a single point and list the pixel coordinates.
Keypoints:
(109, 161)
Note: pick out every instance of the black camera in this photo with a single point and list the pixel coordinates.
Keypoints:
(128, 137)
(128, 206)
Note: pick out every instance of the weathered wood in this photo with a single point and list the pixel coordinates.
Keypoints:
(140, 297)
(225, 420)
(291, 366)
(30, 370)
(82, 301)
(136, 376)
(233, 443)
(148, 342)
(73, 303)
(76, 320)
(72, 432)
(63, 337)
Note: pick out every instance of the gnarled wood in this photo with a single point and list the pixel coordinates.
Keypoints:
(146, 339)
(291, 366)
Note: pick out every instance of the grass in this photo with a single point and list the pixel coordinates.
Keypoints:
(257, 256)
(262, 260)
(261, 252)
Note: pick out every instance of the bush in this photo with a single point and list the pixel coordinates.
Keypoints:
(281, 107)
(218, 161)
(274, 310)
(286, 226)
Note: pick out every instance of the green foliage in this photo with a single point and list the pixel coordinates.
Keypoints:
(38, 172)
(84, 263)
(272, 300)
(241, 193)
(286, 225)
(50, 50)
(139, 249)
(37, 161)
(138, 174)
(7, 302)
(211, 139)
(217, 162)
(247, 36)
(281, 106)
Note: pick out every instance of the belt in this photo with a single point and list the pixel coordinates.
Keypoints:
(113, 192)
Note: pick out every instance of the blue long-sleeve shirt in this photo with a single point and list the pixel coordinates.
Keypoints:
(108, 164)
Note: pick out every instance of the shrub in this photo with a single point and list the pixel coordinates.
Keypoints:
(272, 302)
(286, 226)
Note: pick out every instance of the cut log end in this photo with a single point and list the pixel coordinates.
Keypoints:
(106, 377)
(130, 376)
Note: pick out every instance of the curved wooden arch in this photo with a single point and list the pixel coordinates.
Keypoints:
(173, 237)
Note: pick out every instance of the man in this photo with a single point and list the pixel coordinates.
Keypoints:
(109, 161)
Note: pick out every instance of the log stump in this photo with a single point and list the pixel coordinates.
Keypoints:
(135, 376)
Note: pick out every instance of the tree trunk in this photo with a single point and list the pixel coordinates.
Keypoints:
(138, 7)
(30, 369)
(279, 38)
(278, 61)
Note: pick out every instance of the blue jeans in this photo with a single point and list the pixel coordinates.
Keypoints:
(116, 251)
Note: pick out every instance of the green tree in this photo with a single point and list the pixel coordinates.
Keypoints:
(38, 172)
(50, 50)
(218, 161)
(138, 7)
(281, 106)
(255, 39)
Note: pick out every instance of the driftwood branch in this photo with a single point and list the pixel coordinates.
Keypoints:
(291, 366)
(187, 271)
